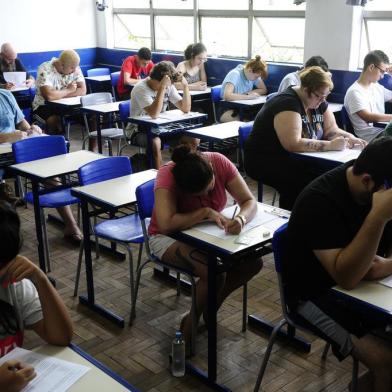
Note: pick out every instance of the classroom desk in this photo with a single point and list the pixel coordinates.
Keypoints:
(98, 379)
(171, 122)
(39, 171)
(228, 251)
(65, 106)
(6, 156)
(198, 94)
(103, 109)
(98, 83)
(244, 104)
(216, 133)
(110, 195)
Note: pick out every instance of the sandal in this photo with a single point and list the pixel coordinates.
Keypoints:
(74, 238)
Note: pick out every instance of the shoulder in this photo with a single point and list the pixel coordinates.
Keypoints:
(165, 177)
(220, 163)
(287, 100)
(25, 291)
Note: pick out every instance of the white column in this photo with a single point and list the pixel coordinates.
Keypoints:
(333, 31)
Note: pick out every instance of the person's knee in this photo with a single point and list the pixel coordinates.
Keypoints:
(156, 144)
(53, 124)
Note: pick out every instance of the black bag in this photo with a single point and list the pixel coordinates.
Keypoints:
(139, 162)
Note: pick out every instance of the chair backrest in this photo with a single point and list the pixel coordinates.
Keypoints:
(104, 169)
(145, 199)
(243, 134)
(38, 147)
(124, 108)
(28, 114)
(215, 98)
(114, 76)
(98, 71)
(345, 119)
(96, 99)
(271, 95)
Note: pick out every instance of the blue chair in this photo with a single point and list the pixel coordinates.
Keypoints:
(98, 71)
(114, 77)
(216, 98)
(243, 134)
(124, 108)
(108, 134)
(271, 95)
(125, 230)
(34, 148)
(345, 120)
(279, 245)
(145, 201)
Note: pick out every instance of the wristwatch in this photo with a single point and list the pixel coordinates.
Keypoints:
(242, 218)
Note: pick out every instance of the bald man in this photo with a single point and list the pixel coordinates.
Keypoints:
(58, 78)
(9, 62)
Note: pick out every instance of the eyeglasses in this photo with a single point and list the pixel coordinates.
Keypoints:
(319, 96)
(202, 59)
(383, 71)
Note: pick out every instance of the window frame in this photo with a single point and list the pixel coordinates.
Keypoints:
(197, 14)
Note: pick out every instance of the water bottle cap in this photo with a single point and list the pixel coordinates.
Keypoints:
(178, 334)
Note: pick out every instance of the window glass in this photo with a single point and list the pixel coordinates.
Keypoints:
(277, 5)
(173, 32)
(173, 4)
(379, 5)
(279, 39)
(378, 38)
(131, 31)
(131, 4)
(232, 43)
(224, 4)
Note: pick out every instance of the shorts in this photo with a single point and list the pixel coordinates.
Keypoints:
(335, 320)
(159, 244)
(44, 112)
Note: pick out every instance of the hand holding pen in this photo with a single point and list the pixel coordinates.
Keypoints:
(234, 225)
(15, 375)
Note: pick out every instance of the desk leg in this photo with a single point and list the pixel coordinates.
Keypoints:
(266, 327)
(89, 301)
(99, 136)
(149, 148)
(38, 225)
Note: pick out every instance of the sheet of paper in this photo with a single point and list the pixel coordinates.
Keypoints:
(386, 281)
(52, 374)
(175, 114)
(263, 218)
(17, 78)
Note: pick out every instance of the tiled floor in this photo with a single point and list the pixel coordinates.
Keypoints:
(140, 353)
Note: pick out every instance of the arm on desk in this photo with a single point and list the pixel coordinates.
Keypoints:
(170, 221)
(247, 203)
(332, 131)
(155, 107)
(261, 88)
(349, 265)
(56, 325)
(185, 102)
(229, 95)
(288, 127)
(370, 117)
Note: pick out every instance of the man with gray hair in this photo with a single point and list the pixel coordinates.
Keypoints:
(9, 62)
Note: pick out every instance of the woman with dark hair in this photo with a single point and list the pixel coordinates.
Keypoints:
(27, 300)
(191, 189)
(193, 66)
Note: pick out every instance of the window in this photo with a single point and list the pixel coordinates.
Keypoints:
(173, 4)
(279, 39)
(131, 31)
(277, 5)
(131, 3)
(173, 32)
(231, 43)
(223, 4)
(379, 5)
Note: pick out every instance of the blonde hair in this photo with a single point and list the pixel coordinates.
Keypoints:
(69, 57)
(314, 78)
(258, 66)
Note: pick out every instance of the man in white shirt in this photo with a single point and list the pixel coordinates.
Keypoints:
(293, 79)
(152, 95)
(365, 99)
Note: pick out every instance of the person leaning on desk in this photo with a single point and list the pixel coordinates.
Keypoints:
(191, 189)
(340, 232)
(152, 95)
(27, 300)
(297, 120)
(244, 82)
(58, 78)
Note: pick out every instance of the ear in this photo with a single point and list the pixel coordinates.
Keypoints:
(367, 181)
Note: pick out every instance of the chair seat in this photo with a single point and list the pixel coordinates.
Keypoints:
(112, 133)
(55, 199)
(124, 229)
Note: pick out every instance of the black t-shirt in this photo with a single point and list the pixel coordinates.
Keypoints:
(325, 216)
(263, 139)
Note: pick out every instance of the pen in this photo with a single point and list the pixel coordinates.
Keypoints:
(235, 211)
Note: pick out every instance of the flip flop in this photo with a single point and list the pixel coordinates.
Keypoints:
(74, 238)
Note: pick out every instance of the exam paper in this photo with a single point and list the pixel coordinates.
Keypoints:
(52, 374)
(17, 78)
(386, 281)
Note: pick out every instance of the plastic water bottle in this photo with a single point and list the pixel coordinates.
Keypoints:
(178, 355)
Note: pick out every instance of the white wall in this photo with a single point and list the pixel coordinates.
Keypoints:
(44, 25)
(332, 30)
